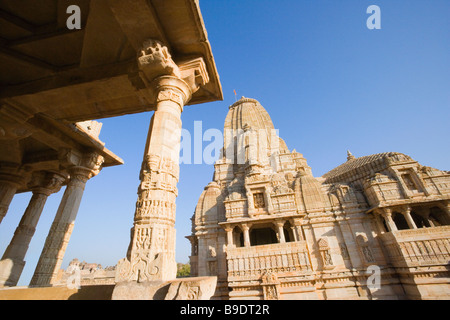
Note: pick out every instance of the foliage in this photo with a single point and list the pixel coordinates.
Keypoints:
(183, 270)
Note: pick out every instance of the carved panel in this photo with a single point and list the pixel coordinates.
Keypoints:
(271, 286)
(258, 200)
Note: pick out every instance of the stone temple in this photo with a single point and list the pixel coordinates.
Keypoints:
(375, 227)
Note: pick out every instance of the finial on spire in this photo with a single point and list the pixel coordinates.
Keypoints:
(350, 156)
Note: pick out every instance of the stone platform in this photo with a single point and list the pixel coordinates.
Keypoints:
(94, 292)
(195, 288)
(192, 288)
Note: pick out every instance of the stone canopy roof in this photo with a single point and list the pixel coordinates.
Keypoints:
(357, 168)
(90, 73)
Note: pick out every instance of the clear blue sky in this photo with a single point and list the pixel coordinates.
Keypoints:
(328, 82)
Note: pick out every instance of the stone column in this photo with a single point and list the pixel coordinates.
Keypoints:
(298, 233)
(346, 260)
(294, 233)
(406, 211)
(280, 229)
(229, 231)
(151, 253)
(348, 231)
(387, 215)
(10, 181)
(446, 207)
(43, 184)
(313, 248)
(377, 217)
(246, 229)
(59, 235)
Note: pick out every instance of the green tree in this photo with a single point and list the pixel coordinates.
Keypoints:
(183, 270)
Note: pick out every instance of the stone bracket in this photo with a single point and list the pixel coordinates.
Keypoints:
(154, 61)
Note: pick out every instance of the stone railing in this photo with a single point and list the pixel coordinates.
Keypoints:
(283, 202)
(235, 208)
(418, 247)
(252, 262)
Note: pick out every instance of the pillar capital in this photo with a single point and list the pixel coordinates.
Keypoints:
(386, 212)
(405, 209)
(167, 79)
(228, 228)
(45, 182)
(81, 173)
(296, 222)
(172, 89)
(14, 174)
(154, 60)
(81, 165)
(279, 223)
(12, 177)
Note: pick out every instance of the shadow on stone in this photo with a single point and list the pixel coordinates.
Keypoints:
(195, 288)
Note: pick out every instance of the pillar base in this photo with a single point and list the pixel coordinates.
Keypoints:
(196, 288)
(10, 272)
(146, 268)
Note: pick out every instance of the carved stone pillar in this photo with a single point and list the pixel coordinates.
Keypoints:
(280, 231)
(229, 231)
(379, 222)
(446, 207)
(294, 233)
(42, 185)
(406, 211)
(387, 215)
(298, 233)
(246, 229)
(151, 254)
(59, 235)
(10, 181)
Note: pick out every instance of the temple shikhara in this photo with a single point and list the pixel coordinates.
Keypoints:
(270, 230)
(375, 227)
